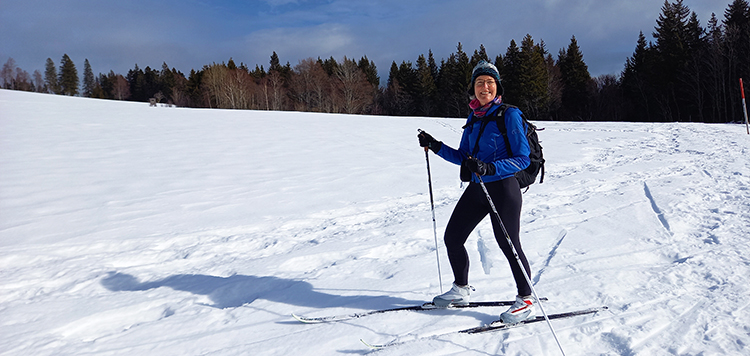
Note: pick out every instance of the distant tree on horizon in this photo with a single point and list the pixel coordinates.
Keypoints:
(50, 77)
(89, 82)
(68, 79)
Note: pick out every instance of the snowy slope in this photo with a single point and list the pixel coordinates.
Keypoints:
(132, 230)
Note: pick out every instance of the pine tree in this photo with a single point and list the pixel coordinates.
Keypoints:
(393, 92)
(480, 55)
(403, 89)
(576, 81)
(533, 80)
(511, 73)
(151, 85)
(135, 78)
(715, 67)
(68, 79)
(50, 77)
(737, 53)
(434, 70)
(167, 81)
(426, 88)
(554, 87)
(672, 55)
(637, 82)
(330, 66)
(465, 68)
(89, 82)
(194, 85)
(500, 66)
(370, 70)
(453, 84)
(690, 93)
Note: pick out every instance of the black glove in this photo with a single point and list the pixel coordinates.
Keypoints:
(425, 140)
(477, 166)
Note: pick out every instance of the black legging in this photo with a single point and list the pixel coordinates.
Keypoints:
(470, 211)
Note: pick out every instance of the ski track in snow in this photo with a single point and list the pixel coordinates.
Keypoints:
(133, 230)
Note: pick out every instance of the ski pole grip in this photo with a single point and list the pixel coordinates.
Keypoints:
(422, 131)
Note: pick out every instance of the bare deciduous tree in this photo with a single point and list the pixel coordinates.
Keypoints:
(356, 92)
(309, 84)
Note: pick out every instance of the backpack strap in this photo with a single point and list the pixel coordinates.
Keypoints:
(485, 120)
(500, 121)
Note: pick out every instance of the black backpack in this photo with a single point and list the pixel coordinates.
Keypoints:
(527, 176)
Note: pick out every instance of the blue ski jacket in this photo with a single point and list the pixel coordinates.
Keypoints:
(492, 147)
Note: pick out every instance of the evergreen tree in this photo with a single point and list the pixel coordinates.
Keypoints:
(194, 85)
(68, 79)
(330, 66)
(511, 74)
(89, 82)
(672, 55)
(426, 88)
(50, 77)
(151, 85)
(554, 87)
(691, 91)
(434, 70)
(284, 71)
(737, 53)
(500, 66)
(259, 73)
(135, 78)
(167, 81)
(453, 84)
(576, 81)
(275, 63)
(637, 82)
(715, 68)
(396, 100)
(533, 80)
(403, 89)
(370, 70)
(480, 55)
(465, 68)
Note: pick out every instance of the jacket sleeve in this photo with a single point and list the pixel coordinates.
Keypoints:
(456, 156)
(518, 144)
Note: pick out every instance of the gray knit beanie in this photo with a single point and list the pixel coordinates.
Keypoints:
(485, 68)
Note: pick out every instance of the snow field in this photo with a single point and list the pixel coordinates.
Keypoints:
(126, 229)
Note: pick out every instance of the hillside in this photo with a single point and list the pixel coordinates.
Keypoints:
(128, 229)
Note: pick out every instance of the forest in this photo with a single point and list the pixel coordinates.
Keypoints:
(686, 73)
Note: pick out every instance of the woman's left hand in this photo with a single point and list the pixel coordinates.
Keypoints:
(479, 167)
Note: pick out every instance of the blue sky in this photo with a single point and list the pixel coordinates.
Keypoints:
(187, 34)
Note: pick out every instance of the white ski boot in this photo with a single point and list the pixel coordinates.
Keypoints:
(456, 296)
(522, 309)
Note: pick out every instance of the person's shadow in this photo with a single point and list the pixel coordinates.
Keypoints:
(237, 290)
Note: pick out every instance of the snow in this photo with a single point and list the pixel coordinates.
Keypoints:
(128, 229)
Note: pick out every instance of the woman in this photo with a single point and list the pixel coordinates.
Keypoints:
(483, 152)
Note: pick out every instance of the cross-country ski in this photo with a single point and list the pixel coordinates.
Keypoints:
(423, 307)
(494, 326)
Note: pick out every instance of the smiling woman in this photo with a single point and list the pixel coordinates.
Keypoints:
(480, 155)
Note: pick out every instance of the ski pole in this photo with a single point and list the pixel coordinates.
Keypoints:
(518, 260)
(432, 206)
(744, 106)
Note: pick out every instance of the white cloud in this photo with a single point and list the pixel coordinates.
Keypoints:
(301, 42)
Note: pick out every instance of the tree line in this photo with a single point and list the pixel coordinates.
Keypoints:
(688, 73)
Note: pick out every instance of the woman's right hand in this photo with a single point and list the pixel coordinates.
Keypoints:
(426, 140)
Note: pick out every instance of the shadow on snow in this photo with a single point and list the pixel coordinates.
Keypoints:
(237, 290)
